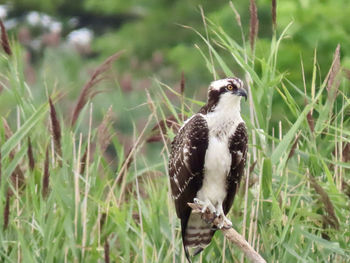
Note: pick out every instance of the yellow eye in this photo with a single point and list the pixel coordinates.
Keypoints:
(230, 87)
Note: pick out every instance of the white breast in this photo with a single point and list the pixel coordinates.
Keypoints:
(218, 158)
(217, 165)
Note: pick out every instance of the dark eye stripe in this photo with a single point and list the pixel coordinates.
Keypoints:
(234, 84)
(237, 83)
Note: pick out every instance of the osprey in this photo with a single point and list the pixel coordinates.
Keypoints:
(207, 160)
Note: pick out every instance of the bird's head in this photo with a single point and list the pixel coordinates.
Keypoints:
(226, 93)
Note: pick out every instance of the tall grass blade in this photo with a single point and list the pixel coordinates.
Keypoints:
(17, 175)
(12, 142)
(284, 144)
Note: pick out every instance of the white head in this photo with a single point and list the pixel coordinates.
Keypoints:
(225, 94)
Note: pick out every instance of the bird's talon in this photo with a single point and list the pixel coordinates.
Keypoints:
(224, 222)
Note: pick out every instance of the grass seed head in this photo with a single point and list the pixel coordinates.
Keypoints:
(103, 135)
(55, 130)
(310, 121)
(237, 16)
(254, 23)
(333, 79)
(31, 161)
(83, 161)
(87, 91)
(273, 13)
(162, 128)
(106, 249)
(103, 220)
(7, 210)
(294, 146)
(326, 201)
(5, 40)
(346, 153)
(46, 176)
(182, 84)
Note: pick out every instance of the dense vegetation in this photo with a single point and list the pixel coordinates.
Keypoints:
(79, 191)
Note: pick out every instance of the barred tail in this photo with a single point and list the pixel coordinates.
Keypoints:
(197, 235)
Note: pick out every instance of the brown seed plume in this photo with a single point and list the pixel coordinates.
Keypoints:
(46, 176)
(4, 39)
(346, 153)
(310, 121)
(333, 79)
(83, 161)
(7, 210)
(31, 161)
(106, 249)
(325, 200)
(182, 84)
(294, 146)
(273, 11)
(87, 91)
(238, 17)
(162, 126)
(254, 23)
(103, 135)
(103, 220)
(56, 131)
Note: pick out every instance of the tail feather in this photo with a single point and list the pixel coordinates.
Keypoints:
(197, 251)
(197, 235)
(187, 254)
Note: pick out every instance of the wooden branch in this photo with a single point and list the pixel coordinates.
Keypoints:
(231, 234)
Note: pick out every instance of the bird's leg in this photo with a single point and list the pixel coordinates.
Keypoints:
(206, 205)
(222, 217)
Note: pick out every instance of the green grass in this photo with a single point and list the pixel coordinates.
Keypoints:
(284, 214)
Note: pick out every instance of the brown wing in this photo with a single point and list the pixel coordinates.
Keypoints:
(238, 149)
(186, 165)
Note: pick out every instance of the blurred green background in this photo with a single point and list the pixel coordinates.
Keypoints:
(157, 45)
(64, 41)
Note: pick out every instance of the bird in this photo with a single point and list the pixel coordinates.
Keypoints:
(206, 162)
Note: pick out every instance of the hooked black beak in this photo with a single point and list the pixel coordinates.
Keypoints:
(242, 92)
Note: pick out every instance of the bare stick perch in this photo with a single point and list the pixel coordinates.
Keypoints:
(231, 234)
